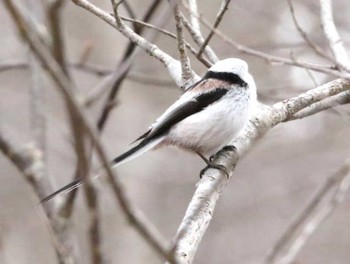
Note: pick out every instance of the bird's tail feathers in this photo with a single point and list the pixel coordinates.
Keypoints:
(136, 151)
(139, 149)
(65, 189)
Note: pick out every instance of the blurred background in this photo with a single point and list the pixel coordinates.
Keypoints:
(270, 186)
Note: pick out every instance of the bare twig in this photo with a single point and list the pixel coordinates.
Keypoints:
(98, 70)
(305, 36)
(37, 98)
(173, 66)
(79, 135)
(113, 83)
(57, 42)
(331, 33)
(339, 99)
(13, 65)
(64, 87)
(93, 68)
(329, 196)
(193, 27)
(194, 17)
(78, 130)
(123, 68)
(172, 35)
(187, 74)
(86, 52)
(275, 59)
(199, 41)
(90, 192)
(220, 15)
(35, 169)
(28, 160)
(131, 12)
(92, 202)
(149, 80)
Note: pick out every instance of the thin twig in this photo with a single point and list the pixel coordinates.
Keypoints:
(90, 191)
(172, 35)
(194, 17)
(131, 13)
(57, 42)
(112, 83)
(331, 33)
(149, 80)
(92, 201)
(275, 59)
(27, 159)
(329, 196)
(187, 74)
(193, 27)
(305, 36)
(36, 171)
(64, 87)
(123, 68)
(173, 66)
(80, 144)
(220, 15)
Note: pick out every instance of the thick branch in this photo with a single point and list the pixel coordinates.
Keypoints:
(200, 210)
(330, 102)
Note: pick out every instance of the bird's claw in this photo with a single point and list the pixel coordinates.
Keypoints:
(229, 148)
(214, 166)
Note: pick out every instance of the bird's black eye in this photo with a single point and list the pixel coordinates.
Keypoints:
(227, 77)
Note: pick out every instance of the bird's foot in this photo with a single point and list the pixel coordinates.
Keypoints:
(212, 165)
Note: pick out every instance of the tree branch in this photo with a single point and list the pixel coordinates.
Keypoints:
(193, 27)
(275, 59)
(329, 196)
(28, 161)
(200, 210)
(64, 86)
(187, 74)
(220, 15)
(330, 102)
(305, 36)
(173, 66)
(331, 33)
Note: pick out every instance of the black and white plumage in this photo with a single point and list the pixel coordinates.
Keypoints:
(207, 116)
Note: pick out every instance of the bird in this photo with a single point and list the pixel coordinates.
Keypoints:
(206, 117)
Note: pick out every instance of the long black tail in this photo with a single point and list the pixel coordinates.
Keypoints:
(139, 149)
(67, 188)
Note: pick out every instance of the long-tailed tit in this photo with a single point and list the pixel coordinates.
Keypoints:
(204, 119)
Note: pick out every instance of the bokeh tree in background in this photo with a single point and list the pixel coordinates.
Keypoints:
(81, 78)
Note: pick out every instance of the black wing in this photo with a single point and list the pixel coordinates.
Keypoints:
(184, 110)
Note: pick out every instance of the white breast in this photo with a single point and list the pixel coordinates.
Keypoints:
(214, 127)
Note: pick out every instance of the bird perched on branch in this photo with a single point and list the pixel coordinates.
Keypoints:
(207, 116)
